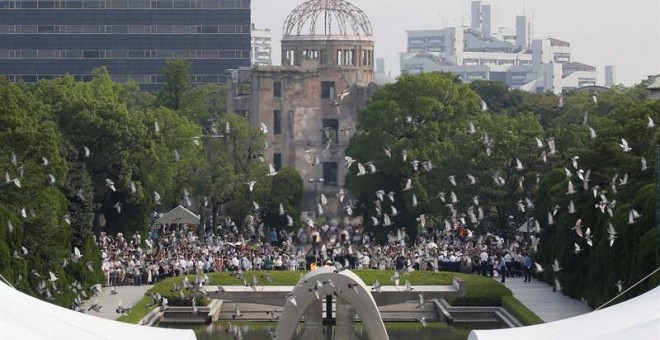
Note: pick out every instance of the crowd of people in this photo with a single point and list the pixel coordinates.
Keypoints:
(176, 249)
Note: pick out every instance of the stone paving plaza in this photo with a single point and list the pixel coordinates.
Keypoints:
(128, 295)
(549, 306)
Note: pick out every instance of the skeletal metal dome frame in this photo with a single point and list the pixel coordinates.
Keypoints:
(334, 17)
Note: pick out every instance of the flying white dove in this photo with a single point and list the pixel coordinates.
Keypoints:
(592, 133)
(361, 169)
(578, 227)
(271, 170)
(571, 189)
(611, 234)
(587, 237)
(110, 184)
(577, 248)
(519, 165)
(624, 145)
(388, 152)
(408, 185)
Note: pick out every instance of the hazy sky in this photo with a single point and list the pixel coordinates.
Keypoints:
(617, 32)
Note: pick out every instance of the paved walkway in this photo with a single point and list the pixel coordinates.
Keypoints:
(549, 306)
(128, 295)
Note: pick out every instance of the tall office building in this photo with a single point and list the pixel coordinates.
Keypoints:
(610, 75)
(262, 47)
(132, 38)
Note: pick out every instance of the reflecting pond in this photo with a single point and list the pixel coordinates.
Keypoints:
(396, 330)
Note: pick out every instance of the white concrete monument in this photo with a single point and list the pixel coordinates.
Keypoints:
(352, 295)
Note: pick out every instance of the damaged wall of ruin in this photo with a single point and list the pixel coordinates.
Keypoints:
(303, 110)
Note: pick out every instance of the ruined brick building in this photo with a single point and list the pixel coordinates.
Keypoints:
(310, 104)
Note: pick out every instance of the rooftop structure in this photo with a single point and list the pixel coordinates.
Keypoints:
(326, 18)
(653, 90)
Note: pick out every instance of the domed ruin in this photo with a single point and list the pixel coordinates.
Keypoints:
(327, 18)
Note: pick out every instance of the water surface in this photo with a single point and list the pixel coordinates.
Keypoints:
(396, 331)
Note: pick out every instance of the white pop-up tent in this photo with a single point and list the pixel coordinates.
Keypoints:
(25, 317)
(638, 318)
(179, 215)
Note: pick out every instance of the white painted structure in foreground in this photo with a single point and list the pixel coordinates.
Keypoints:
(638, 319)
(25, 317)
(353, 296)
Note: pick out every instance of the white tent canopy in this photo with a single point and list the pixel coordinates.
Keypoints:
(25, 317)
(179, 215)
(638, 318)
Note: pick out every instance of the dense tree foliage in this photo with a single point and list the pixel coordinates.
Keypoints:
(501, 165)
(85, 157)
(174, 95)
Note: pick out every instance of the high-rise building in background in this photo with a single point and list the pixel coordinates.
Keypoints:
(261, 47)
(132, 38)
(381, 75)
(485, 51)
(610, 75)
(310, 104)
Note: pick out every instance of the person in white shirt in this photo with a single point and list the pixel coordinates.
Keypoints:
(484, 263)
(366, 260)
(257, 262)
(278, 263)
(235, 264)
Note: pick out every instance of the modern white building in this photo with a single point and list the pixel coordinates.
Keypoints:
(381, 75)
(485, 51)
(261, 47)
(653, 90)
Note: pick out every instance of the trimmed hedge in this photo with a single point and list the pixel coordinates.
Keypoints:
(520, 311)
(481, 291)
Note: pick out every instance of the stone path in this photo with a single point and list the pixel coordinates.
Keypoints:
(549, 306)
(128, 295)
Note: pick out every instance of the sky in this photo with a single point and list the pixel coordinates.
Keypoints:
(625, 34)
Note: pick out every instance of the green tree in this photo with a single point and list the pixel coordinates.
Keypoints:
(607, 199)
(287, 188)
(48, 229)
(178, 84)
(418, 115)
(207, 104)
(233, 160)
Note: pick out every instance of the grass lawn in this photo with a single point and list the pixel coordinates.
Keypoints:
(481, 291)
